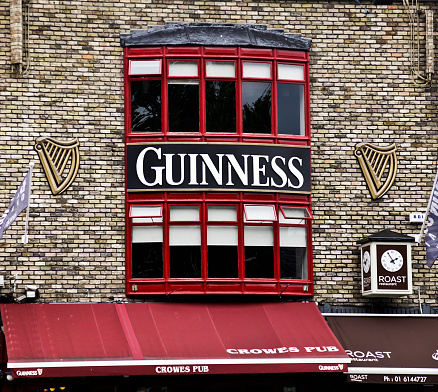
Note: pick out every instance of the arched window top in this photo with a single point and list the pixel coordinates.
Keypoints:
(215, 35)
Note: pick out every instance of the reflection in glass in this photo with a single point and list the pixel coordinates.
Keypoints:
(290, 105)
(221, 106)
(146, 106)
(147, 260)
(256, 107)
(183, 106)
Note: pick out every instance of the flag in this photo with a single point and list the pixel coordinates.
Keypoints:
(431, 238)
(19, 202)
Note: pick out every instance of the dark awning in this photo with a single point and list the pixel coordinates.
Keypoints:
(389, 349)
(68, 340)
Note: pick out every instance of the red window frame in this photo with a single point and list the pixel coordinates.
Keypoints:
(202, 55)
(205, 285)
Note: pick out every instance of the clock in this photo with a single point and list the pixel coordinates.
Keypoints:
(366, 261)
(392, 260)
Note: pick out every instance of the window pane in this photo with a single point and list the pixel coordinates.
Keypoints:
(220, 69)
(147, 252)
(222, 261)
(293, 253)
(256, 70)
(183, 107)
(185, 251)
(183, 68)
(152, 67)
(184, 235)
(184, 213)
(222, 235)
(290, 109)
(256, 107)
(146, 106)
(221, 106)
(146, 214)
(260, 213)
(290, 72)
(147, 234)
(222, 213)
(147, 260)
(185, 261)
(292, 215)
(259, 252)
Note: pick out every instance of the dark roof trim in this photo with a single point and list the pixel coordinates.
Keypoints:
(214, 35)
(387, 235)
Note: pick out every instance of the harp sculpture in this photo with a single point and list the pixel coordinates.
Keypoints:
(379, 167)
(60, 161)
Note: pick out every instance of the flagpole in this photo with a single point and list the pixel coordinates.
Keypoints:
(419, 236)
(25, 238)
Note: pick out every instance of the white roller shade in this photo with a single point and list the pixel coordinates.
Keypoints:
(293, 237)
(147, 234)
(184, 235)
(259, 236)
(184, 213)
(222, 235)
(151, 67)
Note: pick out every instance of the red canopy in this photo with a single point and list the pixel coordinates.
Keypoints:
(68, 340)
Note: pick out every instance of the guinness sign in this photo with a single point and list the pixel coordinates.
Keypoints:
(220, 167)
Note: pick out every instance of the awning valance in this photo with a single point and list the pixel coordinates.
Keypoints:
(389, 349)
(68, 340)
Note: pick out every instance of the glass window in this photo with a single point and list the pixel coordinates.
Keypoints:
(147, 252)
(261, 213)
(151, 67)
(183, 106)
(293, 252)
(146, 106)
(294, 215)
(290, 105)
(184, 213)
(222, 249)
(290, 72)
(185, 251)
(222, 213)
(220, 69)
(259, 252)
(257, 70)
(183, 68)
(256, 107)
(220, 100)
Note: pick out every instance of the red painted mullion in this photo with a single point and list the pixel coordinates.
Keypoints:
(202, 98)
(165, 96)
(204, 252)
(166, 246)
(239, 119)
(274, 110)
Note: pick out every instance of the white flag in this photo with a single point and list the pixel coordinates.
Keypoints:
(19, 202)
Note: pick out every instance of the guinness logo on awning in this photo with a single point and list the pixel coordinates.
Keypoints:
(379, 167)
(60, 161)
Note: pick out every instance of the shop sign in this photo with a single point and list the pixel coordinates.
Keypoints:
(223, 167)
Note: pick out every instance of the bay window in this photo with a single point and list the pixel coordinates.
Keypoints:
(217, 137)
(200, 242)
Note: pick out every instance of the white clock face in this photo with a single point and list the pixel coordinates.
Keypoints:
(392, 260)
(366, 261)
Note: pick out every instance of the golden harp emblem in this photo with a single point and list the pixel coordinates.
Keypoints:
(60, 161)
(379, 167)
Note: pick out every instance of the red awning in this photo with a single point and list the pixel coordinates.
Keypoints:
(68, 340)
(389, 349)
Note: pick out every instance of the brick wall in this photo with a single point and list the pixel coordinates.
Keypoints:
(361, 91)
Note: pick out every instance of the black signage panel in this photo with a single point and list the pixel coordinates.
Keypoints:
(211, 166)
